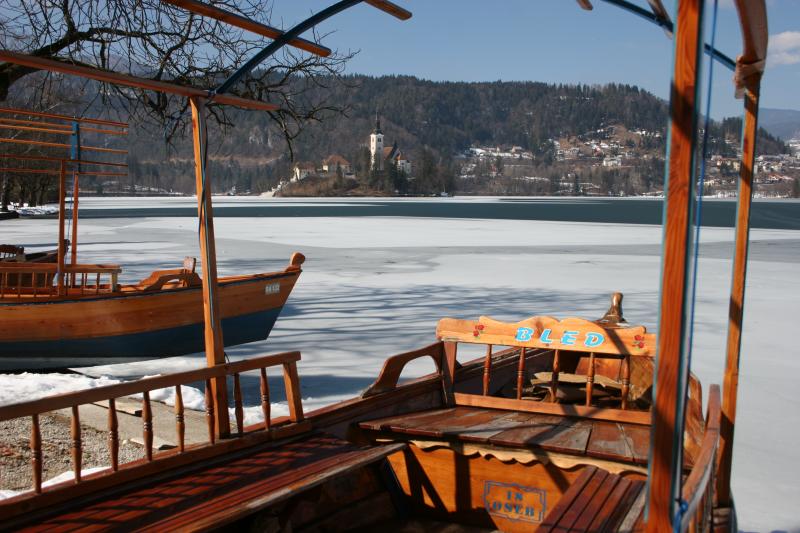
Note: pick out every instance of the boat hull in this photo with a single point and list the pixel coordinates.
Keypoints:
(137, 326)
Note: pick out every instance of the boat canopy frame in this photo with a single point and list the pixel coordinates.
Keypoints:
(672, 317)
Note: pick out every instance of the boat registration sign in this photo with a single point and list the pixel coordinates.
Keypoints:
(514, 502)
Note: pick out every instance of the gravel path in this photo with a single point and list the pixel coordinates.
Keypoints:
(15, 453)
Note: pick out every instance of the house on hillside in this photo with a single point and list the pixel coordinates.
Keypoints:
(302, 170)
(332, 162)
(393, 154)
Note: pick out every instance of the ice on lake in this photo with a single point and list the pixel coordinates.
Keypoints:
(375, 286)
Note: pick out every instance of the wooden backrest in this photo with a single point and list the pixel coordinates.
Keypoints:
(570, 334)
(579, 346)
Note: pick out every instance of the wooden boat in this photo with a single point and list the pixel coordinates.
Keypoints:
(57, 312)
(563, 425)
(98, 320)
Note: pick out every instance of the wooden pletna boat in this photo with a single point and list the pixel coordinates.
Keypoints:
(563, 425)
(58, 312)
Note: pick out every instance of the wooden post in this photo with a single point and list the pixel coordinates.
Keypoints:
(62, 207)
(736, 310)
(73, 246)
(215, 354)
(667, 433)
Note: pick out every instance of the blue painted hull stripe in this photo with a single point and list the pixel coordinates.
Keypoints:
(150, 344)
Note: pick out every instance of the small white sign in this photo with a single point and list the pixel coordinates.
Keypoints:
(272, 288)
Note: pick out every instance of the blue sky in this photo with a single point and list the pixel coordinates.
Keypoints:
(547, 40)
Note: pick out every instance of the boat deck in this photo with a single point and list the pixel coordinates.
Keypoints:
(229, 489)
(615, 441)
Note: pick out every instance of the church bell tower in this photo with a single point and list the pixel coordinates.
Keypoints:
(376, 145)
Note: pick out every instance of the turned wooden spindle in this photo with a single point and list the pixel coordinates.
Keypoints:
(147, 426)
(590, 380)
(554, 380)
(180, 425)
(113, 434)
(77, 449)
(265, 406)
(487, 370)
(520, 373)
(238, 409)
(210, 412)
(626, 380)
(36, 454)
(292, 383)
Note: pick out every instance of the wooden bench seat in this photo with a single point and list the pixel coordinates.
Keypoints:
(615, 441)
(598, 501)
(219, 492)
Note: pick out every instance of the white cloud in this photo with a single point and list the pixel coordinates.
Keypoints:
(784, 48)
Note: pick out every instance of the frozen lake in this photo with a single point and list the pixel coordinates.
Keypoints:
(376, 285)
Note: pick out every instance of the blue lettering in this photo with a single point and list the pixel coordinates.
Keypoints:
(524, 334)
(545, 337)
(530, 511)
(593, 339)
(568, 337)
(518, 496)
(508, 507)
(497, 506)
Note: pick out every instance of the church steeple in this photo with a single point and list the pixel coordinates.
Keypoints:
(376, 145)
(377, 123)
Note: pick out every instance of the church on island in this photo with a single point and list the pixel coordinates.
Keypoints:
(383, 157)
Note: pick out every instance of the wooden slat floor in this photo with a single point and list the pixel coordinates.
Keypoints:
(606, 440)
(598, 501)
(215, 495)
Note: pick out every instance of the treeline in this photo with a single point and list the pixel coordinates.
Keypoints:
(430, 121)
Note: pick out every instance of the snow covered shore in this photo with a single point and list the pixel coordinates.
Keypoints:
(372, 287)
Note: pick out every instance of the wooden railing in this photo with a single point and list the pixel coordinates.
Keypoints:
(38, 280)
(698, 489)
(153, 462)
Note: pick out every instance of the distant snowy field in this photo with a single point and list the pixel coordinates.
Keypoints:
(375, 286)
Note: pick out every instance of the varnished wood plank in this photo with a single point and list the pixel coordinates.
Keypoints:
(129, 81)
(580, 502)
(676, 257)
(576, 411)
(569, 437)
(252, 481)
(293, 396)
(245, 23)
(203, 454)
(238, 408)
(212, 317)
(113, 434)
(610, 507)
(36, 454)
(265, 405)
(97, 394)
(608, 441)
(502, 421)
(77, 448)
(62, 212)
(736, 306)
(596, 508)
(408, 419)
(487, 370)
(147, 426)
(556, 513)
(180, 424)
(638, 438)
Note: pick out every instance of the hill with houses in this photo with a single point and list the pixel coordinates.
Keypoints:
(496, 138)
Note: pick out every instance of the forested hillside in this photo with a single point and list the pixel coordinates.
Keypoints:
(433, 123)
